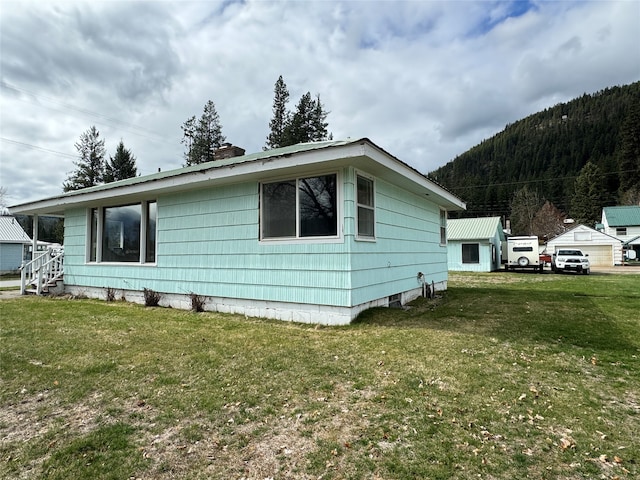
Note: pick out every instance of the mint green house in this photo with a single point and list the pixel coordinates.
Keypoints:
(312, 233)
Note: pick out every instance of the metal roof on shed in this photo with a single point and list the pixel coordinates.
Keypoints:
(473, 228)
(11, 231)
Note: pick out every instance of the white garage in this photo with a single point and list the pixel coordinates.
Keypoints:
(603, 250)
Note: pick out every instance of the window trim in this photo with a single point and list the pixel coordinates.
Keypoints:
(144, 228)
(442, 225)
(358, 236)
(337, 238)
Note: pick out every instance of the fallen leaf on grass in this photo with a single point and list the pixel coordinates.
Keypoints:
(567, 442)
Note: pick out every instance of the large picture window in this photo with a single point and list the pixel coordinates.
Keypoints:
(125, 233)
(365, 208)
(299, 208)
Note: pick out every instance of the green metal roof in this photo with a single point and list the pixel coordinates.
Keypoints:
(627, 216)
(275, 152)
(474, 228)
(361, 153)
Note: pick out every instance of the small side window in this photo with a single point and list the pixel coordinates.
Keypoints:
(366, 220)
(443, 227)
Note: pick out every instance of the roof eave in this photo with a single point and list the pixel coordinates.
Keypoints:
(216, 174)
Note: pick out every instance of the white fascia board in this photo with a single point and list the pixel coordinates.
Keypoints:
(146, 189)
(429, 188)
(258, 169)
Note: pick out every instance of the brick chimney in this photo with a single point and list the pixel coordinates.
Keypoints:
(227, 150)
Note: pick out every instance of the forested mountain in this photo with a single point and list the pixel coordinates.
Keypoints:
(545, 153)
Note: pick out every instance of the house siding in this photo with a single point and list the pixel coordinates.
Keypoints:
(207, 243)
(632, 232)
(407, 242)
(486, 262)
(10, 257)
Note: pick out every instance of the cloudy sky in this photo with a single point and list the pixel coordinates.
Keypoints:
(425, 80)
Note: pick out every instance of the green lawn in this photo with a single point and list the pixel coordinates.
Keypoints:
(507, 375)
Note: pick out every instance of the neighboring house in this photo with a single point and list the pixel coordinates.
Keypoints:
(603, 250)
(475, 244)
(12, 244)
(312, 233)
(623, 223)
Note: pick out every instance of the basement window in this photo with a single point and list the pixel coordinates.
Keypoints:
(299, 208)
(123, 234)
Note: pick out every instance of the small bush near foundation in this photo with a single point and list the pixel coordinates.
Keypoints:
(197, 302)
(110, 295)
(151, 298)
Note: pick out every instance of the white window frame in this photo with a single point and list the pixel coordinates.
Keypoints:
(442, 226)
(144, 223)
(297, 239)
(359, 237)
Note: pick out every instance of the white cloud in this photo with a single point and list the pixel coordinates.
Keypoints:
(424, 80)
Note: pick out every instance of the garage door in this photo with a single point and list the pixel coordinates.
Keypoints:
(599, 255)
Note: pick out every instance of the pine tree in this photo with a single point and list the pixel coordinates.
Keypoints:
(629, 149)
(280, 119)
(301, 127)
(120, 166)
(90, 171)
(318, 123)
(586, 203)
(202, 137)
(188, 134)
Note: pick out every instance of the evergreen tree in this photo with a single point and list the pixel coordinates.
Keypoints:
(307, 123)
(202, 137)
(90, 165)
(120, 166)
(629, 150)
(318, 123)
(586, 203)
(280, 118)
(549, 149)
(300, 128)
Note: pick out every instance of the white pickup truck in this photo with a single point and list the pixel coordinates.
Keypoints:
(570, 260)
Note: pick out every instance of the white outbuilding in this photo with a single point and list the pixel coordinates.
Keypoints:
(603, 250)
